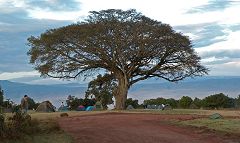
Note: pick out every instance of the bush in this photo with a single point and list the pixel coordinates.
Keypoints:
(2, 124)
(18, 126)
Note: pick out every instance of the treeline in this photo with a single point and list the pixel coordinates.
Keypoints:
(216, 101)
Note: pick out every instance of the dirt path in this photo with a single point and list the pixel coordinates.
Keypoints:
(135, 128)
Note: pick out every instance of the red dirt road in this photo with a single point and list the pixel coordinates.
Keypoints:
(135, 128)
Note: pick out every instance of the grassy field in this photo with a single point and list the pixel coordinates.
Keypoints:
(48, 122)
(50, 130)
(229, 124)
(225, 113)
(222, 125)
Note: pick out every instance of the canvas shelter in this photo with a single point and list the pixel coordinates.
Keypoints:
(45, 106)
(81, 108)
(149, 107)
(63, 108)
(90, 108)
(98, 105)
(130, 107)
(167, 107)
(160, 107)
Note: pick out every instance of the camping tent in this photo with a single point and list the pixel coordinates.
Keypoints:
(63, 108)
(81, 108)
(45, 106)
(167, 107)
(98, 105)
(90, 108)
(130, 107)
(160, 107)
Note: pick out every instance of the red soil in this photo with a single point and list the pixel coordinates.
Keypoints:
(136, 128)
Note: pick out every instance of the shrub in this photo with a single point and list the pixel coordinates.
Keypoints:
(18, 126)
(2, 124)
(64, 115)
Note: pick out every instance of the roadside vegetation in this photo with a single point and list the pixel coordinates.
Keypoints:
(21, 128)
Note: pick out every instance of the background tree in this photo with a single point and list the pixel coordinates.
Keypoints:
(102, 88)
(157, 101)
(216, 101)
(185, 102)
(197, 103)
(73, 102)
(1, 96)
(132, 102)
(127, 44)
(237, 101)
(172, 102)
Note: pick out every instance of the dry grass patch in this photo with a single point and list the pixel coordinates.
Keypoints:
(222, 125)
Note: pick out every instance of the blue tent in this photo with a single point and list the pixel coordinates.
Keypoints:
(90, 108)
(81, 108)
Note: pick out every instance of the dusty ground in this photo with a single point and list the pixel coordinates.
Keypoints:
(137, 128)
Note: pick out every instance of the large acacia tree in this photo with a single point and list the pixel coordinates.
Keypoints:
(127, 44)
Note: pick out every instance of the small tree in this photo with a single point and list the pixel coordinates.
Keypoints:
(216, 101)
(1, 96)
(197, 102)
(73, 102)
(127, 44)
(102, 88)
(132, 102)
(185, 102)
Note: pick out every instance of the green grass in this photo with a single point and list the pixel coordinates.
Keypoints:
(48, 132)
(222, 125)
(53, 137)
(225, 113)
(170, 112)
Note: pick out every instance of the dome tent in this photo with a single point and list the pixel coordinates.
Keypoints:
(45, 106)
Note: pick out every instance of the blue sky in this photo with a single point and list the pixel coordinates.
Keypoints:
(212, 25)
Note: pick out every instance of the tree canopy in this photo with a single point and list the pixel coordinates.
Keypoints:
(217, 101)
(127, 44)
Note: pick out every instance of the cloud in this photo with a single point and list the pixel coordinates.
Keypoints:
(11, 75)
(15, 28)
(204, 34)
(213, 5)
(230, 43)
(55, 5)
(230, 68)
(223, 58)
(212, 25)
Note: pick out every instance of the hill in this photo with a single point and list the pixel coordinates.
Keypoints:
(200, 87)
(54, 93)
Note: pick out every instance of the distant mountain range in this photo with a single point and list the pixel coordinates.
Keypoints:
(54, 93)
(200, 87)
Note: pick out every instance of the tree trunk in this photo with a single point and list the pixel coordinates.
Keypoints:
(121, 93)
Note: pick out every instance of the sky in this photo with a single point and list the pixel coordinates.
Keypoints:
(212, 25)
